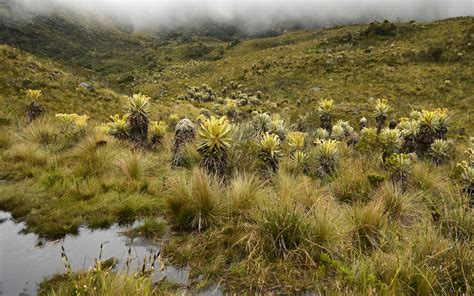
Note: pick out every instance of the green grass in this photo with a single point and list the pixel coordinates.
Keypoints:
(349, 231)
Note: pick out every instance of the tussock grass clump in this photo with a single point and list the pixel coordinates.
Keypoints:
(368, 225)
(45, 133)
(5, 139)
(283, 228)
(194, 201)
(440, 266)
(286, 230)
(134, 165)
(428, 178)
(244, 193)
(403, 207)
(28, 153)
(451, 212)
(190, 156)
(94, 155)
(351, 184)
(299, 188)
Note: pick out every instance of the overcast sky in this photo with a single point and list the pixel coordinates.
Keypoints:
(258, 14)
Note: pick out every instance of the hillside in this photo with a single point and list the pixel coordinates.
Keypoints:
(413, 65)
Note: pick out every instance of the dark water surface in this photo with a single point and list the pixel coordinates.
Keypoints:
(23, 264)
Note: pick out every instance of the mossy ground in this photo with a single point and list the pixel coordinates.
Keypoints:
(350, 233)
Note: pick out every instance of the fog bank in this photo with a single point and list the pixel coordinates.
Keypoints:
(254, 15)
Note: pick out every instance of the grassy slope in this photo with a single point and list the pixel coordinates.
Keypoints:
(20, 71)
(291, 64)
(301, 60)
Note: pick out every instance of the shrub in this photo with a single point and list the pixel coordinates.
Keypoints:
(439, 151)
(137, 110)
(400, 166)
(368, 139)
(375, 179)
(381, 110)
(390, 142)
(324, 110)
(385, 29)
(270, 152)
(214, 144)
(158, 131)
(34, 108)
(327, 155)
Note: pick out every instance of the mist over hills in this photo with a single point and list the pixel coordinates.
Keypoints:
(239, 18)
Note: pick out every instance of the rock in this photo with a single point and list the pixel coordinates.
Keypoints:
(86, 86)
(353, 139)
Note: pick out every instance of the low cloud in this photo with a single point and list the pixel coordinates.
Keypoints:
(254, 15)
